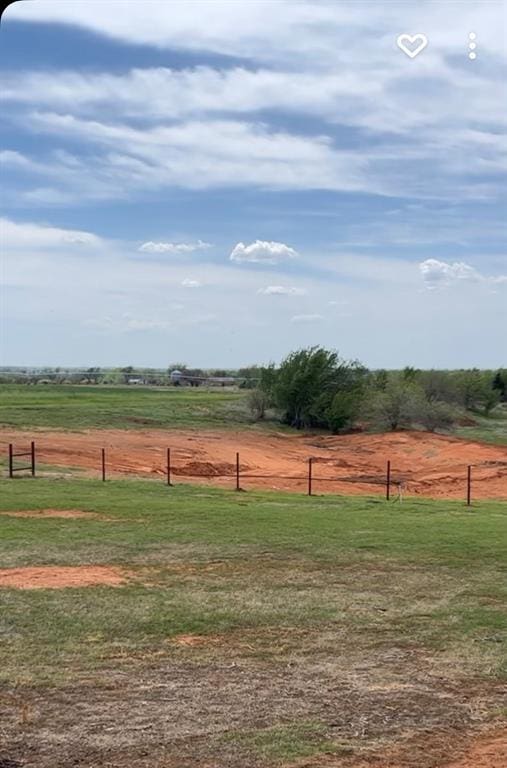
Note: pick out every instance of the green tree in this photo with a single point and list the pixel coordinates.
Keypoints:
(380, 379)
(258, 402)
(394, 407)
(499, 384)
(470, 386)
(431, 414)
(308, 385)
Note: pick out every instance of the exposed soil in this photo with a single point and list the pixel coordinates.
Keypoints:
(421, 463)
(65, 513)
(488, 752)
(439, 750)
(58, 577)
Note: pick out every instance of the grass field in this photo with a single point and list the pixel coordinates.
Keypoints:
(254, 629)
(491, 429)
(128, 407)
(75, 407)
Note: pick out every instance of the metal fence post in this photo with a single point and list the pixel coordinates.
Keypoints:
(237, 472)
(310, 465)
(469, 485)
(10, 460)
(388, 481)
(103, 464)
(169, 466)
(32, 451)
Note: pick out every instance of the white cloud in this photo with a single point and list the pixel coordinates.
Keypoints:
(142, 300)
(438, 274)
(157, 127)
(37, 236)
(262, 252)
(282, 290)
(206, 153)
(187, 283)
(306, 318)
(160, 247)
(240, 28)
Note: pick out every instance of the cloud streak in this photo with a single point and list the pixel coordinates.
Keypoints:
(441, 274)
(174, 248)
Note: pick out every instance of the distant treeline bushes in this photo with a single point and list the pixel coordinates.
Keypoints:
(315, 388)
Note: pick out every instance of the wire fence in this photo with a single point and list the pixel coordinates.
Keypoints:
(390, 484)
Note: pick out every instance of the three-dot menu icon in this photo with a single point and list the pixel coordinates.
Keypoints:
(472, 45)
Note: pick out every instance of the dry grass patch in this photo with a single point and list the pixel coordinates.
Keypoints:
(63, 513)
(59, 577)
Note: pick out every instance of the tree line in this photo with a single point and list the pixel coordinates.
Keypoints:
(315, 388)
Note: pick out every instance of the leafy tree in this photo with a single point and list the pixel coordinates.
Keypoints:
(410, 374)
(258, 402)
(344, 409)
(267, 380)
(394, 407)
(439, 385)
(499, 384)
(432, 414)
(305, 386)
(380, 379)
(250, 376)
(470, 386)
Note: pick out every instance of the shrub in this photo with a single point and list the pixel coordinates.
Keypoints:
(258, 402)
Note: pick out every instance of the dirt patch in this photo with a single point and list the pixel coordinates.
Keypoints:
(190, 641)
(65, 513)
(422, 463)
(439, 749)
(205, 469)
(58, 577)
(488, 752)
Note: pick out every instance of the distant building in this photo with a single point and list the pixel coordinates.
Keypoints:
(176, 377)
(181, 379)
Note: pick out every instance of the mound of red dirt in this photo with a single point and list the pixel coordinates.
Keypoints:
(421, 463)
(58, 577)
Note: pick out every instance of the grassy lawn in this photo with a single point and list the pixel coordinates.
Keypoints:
(118, 407)
(303, 625)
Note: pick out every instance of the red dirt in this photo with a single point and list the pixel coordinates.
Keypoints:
(65, 513)
(485, 753)
(58, 577)
(427, 464)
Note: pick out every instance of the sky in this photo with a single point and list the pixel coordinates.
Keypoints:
(219, 183)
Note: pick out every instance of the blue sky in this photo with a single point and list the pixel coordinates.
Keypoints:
(219, 183)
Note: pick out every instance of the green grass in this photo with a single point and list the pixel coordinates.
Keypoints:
(77, 407)
(118, 407)
(213, 562)
(286, 742)
(311, 620)
(488, 429)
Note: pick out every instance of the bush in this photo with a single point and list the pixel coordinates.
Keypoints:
(394, 407)
(258, 402)
(433, 414)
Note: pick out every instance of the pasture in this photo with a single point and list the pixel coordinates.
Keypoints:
(247, 629)
(72, 407)
(79, 407)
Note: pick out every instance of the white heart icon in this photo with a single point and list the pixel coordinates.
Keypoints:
(412, 44)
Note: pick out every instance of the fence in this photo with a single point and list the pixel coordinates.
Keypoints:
(12, 456)
(387, 481)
